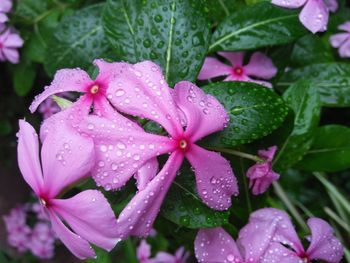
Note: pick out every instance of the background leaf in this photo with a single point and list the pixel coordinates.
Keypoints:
(330, 151)
(255, 111)
(23, 77)
(257, 26)
(303, 98)
(78, 40)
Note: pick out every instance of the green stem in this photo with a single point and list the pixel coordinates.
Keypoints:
(246, 189)
(336, 218)
(130, 251)
(240, 154)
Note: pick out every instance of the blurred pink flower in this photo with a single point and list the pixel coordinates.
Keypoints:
(142, 91)
(261, 175)
(5, 7)
(259, 66)
(342, 40)
(48, 108)
(180, 256)
(9, 43)
(268, 237)
(66, 159)
(42, 241)
(144, 252)
(315, 13)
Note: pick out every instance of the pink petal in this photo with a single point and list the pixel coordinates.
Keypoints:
(236, 58)
(314, 16)
(109, 71)
(215, 245)
(13, 41)
(78, 246)
(212, 68)
(204, 113)
(64, 80)
(289, 3)
(121, 150)
(284, 232)
(146, 173)
(268, 154)
(90, 216)
(164, 257)
(344, 50)
(260, 66)
(279, 253)
(11, 55)
(338, 39)
(345, 26)
(28, 156)
(5, 6)
(3, 18)
(66, 155)
(138, 216)
(143, 251)
(216, 182)
(324, 245)
(142, 91)
(332, 5)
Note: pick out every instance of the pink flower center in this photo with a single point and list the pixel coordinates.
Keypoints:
(237, 71)
(182, 144)
(94, 89)
(304, 257)
(1, 46)
(44, 201)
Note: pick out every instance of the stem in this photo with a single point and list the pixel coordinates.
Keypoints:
(246, 189)
(238, 153)
(288, 203)
(337, 219)
(130, 251)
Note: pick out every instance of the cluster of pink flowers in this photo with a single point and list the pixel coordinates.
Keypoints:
(144, 255)
(269, 237)
(40, 239)
(10, 41)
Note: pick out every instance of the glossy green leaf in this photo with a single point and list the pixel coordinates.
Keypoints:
(78, 40)
(184, 207)
(332, 81)
(30, 9)
(119, 22)
(102, 256)
(23, 77)
(217, 10)
(304, 100)
(260, 25)
(255, 111)
(173, 34)
(330, 151)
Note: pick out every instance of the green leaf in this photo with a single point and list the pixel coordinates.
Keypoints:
(78, 40)
(255, 111)
(330, 151)
(5, 128)
(310, 50)
(217, 10)
(173, 34)
(332, 81)
(303, 98)
(23, 77)
(30, 9)
(119, 22)
(184, 207)
(102, 256)
(260, 25)
(62, 102)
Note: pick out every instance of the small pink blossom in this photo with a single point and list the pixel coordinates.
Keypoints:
(66, 159)
(259, 66)
(315, 13)
(268, 237)
(5, 7)
(42, 241)
(144, 252)
(48, 108)
(342, 40)
(261, 175)
(9, 43)
(142, 91)
(180, 256)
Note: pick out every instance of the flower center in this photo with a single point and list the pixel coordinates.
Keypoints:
(238, 71)
(94, 89)
(304, 257)
(183, 144)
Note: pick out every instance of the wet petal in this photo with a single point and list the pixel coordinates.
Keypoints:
(121, 149)
(279, 253)
(90, 216)
(138, 216)
(338, 39)
(28, 156)
(77, 245)
(64, 80)
(260, 66)
(314, 16)
(324, 245)
(109, 71)
(204, 113)
(146, 173)
(236, 58)
(216, 245)
(142, 91)
(289, 3)
(216, 182)
(212, 68)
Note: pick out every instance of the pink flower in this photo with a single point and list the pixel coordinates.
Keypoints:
(64, 160)
(144, 252)
(268, 237)
(315, 13)
(5, 7)
(259, 66)
(9, 43)
(142, 91)
(180, 256)
(48, 108)
(261, 175)
(342, 40)
(42, 241)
